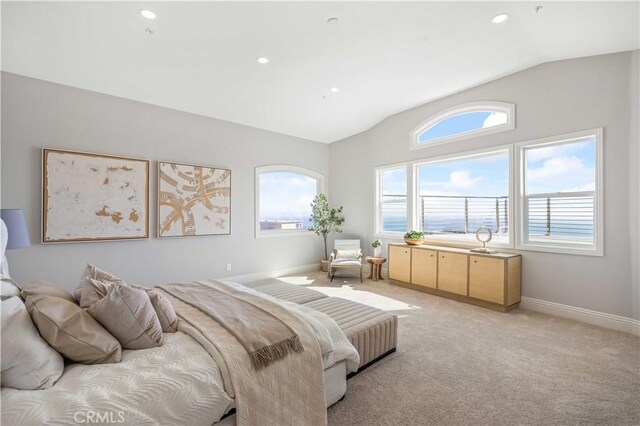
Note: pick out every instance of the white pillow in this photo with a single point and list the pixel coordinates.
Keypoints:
(28, 362)
(347, 254)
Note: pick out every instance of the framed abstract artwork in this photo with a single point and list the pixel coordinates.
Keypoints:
(193, 200)
(93, 197)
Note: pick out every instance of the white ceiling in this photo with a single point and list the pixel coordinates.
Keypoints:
(384, 57)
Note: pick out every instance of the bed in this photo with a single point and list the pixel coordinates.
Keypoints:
(199, 376)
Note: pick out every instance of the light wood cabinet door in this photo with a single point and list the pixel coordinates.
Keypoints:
(424, 267)
(486, 278)
(400, 263)
(452, 272)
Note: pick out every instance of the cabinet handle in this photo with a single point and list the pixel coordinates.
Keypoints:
(443, 256)
(475, 261)
(431, 255)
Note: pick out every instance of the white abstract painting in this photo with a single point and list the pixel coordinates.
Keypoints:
(193, 200)
(92, 197)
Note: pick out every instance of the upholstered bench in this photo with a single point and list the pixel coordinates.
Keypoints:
(372, 331)
(290, 292)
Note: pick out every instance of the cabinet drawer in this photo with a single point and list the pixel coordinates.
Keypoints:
(452, 272)
(486, 279)
(400, 263)
(424, 267)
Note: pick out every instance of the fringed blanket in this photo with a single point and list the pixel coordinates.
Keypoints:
(265, 336)
(289, 391)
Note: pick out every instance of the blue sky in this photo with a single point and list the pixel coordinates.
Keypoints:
(285, 195)
(463, 123)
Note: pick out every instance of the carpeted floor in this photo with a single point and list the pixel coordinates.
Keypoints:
(458, 364)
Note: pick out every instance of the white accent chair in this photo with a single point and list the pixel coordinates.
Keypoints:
(347, 254)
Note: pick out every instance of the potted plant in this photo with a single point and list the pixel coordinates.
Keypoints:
(377, 244)
(413, 238)
(325, 220)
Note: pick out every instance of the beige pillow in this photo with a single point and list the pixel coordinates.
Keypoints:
(93, 291)
(347, 254)
(28, 363)
(45, 289)
(128, 314)
(97, 274)
(71, 331)
(165, 311)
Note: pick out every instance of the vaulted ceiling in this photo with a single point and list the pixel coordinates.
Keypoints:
(383, 57)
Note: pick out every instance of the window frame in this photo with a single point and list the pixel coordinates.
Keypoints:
(320, 185)
(443, 240)
(495, 106)
(378, 232)
(522, 238)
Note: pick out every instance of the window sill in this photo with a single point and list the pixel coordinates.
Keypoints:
(592, 251)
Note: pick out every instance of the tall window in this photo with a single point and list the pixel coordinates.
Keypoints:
(463, 122)
(392, 204)
(560, 203)
(283, 200)
(457, 196)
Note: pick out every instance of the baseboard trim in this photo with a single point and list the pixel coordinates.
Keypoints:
(602, 319)
(242, 279)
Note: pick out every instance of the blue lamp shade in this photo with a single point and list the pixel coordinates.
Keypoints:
(18, 236)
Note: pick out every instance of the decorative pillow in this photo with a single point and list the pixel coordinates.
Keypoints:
(347, 254)
(71, 331)
(93, 291)
(8, 290)
(95, 273)
(165, 311)
(128, 314)
(28, 363)
(45, 289)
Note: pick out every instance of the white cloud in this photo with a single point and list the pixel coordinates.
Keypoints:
(557, 166)
(494, 119)
(586, 187)
(463, 179)
(537, 154)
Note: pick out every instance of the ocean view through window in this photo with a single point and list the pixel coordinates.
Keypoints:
(457, 196)
(284, 196)
(392, 200)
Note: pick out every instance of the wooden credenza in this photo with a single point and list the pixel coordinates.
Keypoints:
(489, 280)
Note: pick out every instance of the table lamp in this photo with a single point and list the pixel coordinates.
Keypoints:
(13, 235)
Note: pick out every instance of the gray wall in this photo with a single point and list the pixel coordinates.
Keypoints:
(38, 114)
(551, 99)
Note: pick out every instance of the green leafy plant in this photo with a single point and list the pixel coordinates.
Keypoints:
(414, 235)
(376, 244)
(325, 219)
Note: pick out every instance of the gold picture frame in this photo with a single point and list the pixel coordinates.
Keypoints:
(93, 197)
(193, 200)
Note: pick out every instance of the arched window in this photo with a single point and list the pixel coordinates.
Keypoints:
(463, 122)
(283, 199)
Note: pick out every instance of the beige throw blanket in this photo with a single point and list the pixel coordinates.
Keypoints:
(289, 391)
(265, 336)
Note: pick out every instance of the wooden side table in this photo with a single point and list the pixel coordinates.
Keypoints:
(376, 267)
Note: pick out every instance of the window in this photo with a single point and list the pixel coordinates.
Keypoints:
(391, 208)
(456, 196)
(560, 201)
(463, 122)
(283, 200)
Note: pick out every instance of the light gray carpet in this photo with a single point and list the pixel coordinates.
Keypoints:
(465, 365)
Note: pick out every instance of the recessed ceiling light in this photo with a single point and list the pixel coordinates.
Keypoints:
(500, 18)
(335, 89)
(148, 14)
(333, 21)
(263, 60)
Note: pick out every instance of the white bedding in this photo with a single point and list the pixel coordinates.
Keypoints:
(176, 382)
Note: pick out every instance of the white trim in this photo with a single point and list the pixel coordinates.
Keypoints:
(256, 276)
(256, 208)
(521, 239)
(602, 319)
(493, 106)
(377, 206)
